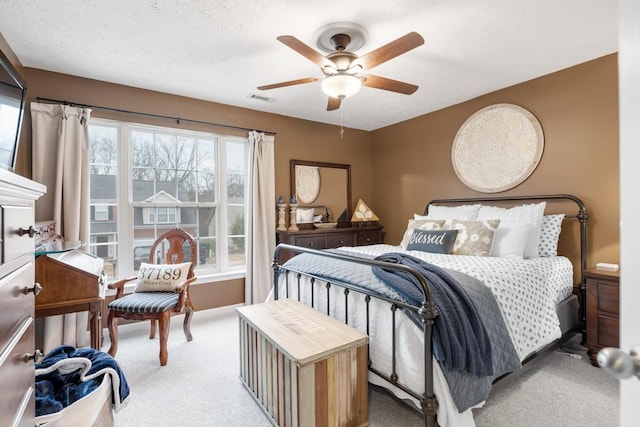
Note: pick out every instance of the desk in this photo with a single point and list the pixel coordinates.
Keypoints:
(71, 282)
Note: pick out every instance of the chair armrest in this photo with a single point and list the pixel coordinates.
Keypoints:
(119, 285)
(183, 285)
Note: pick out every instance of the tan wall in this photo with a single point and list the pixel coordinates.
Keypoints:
(295, 139)
(578, 111)
(397, 169)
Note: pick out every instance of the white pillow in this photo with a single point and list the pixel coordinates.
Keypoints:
(453, 212)
(531, 213)
(304, 215)
(161, 277)
(421, 224)
(510, 239)
(550, 234)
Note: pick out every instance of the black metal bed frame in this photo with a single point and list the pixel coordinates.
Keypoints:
(427, 310)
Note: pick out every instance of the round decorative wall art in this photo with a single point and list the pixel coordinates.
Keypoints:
(307, 183)
(497, 148)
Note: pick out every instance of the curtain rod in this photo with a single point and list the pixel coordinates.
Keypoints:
(158, 116)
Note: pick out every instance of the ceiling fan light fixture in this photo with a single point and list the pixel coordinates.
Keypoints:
(341, 86)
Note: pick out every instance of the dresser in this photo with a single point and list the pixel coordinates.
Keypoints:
(322, 238)
(17, 291)
(602, 311)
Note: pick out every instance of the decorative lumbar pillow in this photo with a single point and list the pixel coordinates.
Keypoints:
(161, 277)
(474, 237)
(422, 224)
(434, 241)
(531, 213)
(549, 235)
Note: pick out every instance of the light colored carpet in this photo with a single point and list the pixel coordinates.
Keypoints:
(200, 385)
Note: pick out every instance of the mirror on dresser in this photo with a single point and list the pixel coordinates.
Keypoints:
(322, 184)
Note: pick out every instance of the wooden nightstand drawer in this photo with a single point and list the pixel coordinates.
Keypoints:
(608, 328)
(608, 298)
(602, 308)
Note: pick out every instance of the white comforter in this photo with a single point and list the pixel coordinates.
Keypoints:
(526, 290)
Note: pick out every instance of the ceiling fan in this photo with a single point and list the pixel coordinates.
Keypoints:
(342, 68)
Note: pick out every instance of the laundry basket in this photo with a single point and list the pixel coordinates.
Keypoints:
(78, 388)
(93, 410)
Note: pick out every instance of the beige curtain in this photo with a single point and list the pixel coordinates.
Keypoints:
(261, 233)
(60, 161)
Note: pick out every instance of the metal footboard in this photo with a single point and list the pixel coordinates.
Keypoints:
(427, 312)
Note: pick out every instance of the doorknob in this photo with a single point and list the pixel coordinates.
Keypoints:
(618, 363)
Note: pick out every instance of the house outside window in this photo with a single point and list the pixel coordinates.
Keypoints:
(145, 180)
(101, 212)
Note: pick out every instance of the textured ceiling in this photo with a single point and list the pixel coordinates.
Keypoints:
(221, 50)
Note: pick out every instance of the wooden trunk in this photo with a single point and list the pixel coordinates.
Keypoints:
(302, 367)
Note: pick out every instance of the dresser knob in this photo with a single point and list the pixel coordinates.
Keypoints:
(36, 289)
(310, 245)
(31, 231)
(36, 356)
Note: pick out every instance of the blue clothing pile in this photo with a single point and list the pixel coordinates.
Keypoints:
(67, 374)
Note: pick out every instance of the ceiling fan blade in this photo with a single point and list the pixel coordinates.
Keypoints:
(305, 50)
(384, 83)
(333, 104)
(390, 50)
(289, 83)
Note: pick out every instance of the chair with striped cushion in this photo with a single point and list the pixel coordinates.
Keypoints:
(162, 290)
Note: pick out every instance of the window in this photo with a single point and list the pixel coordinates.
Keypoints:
(145, 180)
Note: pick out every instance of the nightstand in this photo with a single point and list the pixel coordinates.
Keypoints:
(602, 311)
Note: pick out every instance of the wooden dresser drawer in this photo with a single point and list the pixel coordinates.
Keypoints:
(16, 305)
(370, 237)
(17, 377)
(313, 242)
(337, 240)
(14, 218)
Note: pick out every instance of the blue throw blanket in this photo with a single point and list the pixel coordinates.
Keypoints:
(68, 374)
(460, 340)
(467, 389)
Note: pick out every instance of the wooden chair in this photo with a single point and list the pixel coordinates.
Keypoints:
(158, 307)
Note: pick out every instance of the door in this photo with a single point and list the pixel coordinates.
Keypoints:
(629, 90)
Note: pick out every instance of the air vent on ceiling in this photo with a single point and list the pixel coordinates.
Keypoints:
(261, 98)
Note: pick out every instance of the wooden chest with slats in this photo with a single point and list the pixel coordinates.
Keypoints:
(302, 367)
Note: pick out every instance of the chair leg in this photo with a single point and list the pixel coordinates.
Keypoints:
(112, 324)
(163, 323)
(152, 329)
(186, 325)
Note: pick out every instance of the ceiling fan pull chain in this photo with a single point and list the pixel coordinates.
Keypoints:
(341, 128)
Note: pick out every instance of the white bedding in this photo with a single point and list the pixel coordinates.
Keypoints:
(526, 290)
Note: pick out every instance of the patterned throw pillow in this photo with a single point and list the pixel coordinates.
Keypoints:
(434, 241)
(421, 224)
(550, 234)
(474, 237)
(161, 277)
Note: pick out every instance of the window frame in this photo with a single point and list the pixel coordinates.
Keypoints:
(125, 204)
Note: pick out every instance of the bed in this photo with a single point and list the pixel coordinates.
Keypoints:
(522, 294)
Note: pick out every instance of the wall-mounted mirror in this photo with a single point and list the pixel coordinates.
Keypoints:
(321, 184)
